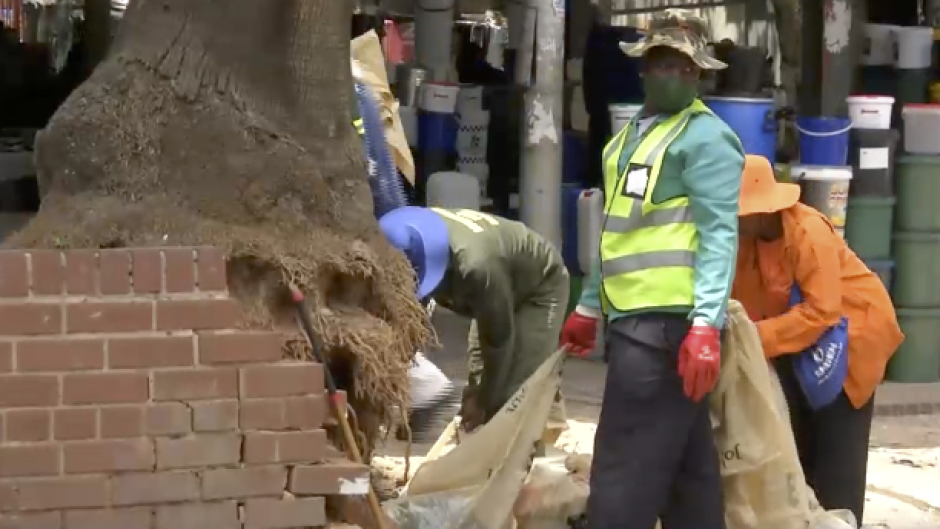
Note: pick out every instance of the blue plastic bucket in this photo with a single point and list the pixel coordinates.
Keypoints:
(824, 141)
(437, 132)
(752, 119)
(569, 225)
(573, 156)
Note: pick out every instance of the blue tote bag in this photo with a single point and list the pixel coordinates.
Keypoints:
(821, 369)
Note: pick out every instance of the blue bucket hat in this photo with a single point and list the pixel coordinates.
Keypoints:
(421, 234)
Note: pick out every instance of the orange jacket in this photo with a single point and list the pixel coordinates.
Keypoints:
(834, 282)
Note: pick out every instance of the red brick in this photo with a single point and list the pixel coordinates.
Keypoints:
(221, 515)
(114, 268)
(48, 267)
(132, 518)
(210, 267)
(329, 478)
(198, 314)
(171, 418)
(153, 488)
(180, 269)
(203, 450)
(151, 351)
(108, 316)
(215, 416)
(30, 460)
(81, 272)
(63, 493)
(291, 413)
(26, 319)
(21, 391)
(105, 388)
(28, 425)
(265, 513)
(281, 380)
(6, 357)
(285, 447)
(75, 424)
(118, 455)
(250, 482)
(39, 520)
(14, 274)
(122, 422)
(57, 354)
(240, 347)
(195, 384)
(147, 266)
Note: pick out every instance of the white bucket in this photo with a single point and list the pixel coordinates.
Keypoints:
(470, 99)
(477, 168)
(621, 114)
(472, 138)
(915, 47)
(448, 189)
(921, 128)
(880, 44)
(438, 97)
(870, 112)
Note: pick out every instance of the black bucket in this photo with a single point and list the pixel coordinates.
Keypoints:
(871, 153)
(749, 71)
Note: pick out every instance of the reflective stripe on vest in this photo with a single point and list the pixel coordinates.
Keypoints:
(647, 250)
(360, 127)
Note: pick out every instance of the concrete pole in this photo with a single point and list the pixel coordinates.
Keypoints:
(434, 28)
(540, 174)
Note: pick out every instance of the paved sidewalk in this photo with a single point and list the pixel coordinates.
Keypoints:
(904, 465)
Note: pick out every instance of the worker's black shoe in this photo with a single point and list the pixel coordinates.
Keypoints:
(427, 422)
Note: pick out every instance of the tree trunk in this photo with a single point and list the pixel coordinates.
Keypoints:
(226, 123)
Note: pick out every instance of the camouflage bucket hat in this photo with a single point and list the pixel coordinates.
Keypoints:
(678, 29)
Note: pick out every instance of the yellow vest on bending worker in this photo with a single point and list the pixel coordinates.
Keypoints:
(647, 250)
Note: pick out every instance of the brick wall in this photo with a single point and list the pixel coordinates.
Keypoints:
(128, 400)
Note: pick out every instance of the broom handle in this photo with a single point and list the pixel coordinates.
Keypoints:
(339, 411)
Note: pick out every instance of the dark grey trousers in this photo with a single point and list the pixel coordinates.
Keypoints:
(832, 442)
(654, 453)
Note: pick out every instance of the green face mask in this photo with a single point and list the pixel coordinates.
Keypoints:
(669, 93)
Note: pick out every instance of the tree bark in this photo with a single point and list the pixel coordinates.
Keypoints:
(226, 123)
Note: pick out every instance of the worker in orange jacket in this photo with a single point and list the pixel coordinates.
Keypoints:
(787, 246)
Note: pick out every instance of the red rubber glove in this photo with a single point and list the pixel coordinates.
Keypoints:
(579, 334)
(700, 361)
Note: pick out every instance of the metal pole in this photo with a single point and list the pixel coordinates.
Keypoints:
(838, 59)
(540, 175)
(434, 28)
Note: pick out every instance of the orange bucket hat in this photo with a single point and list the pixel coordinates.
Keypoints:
(760, 191)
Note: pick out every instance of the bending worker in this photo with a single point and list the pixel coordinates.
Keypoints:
(787, 246)
(667, 254)
(506, 277)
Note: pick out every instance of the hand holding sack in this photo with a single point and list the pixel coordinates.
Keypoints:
(579, 333)
(700, 361)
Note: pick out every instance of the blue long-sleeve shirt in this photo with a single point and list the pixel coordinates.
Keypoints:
(704, 163)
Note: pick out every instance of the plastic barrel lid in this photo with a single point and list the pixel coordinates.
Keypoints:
(872, 201)
(918, 313)
(820, 172)
(879, 264)
(918, 158)
(916, 236)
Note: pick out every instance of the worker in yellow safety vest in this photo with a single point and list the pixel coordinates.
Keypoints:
(663, 278)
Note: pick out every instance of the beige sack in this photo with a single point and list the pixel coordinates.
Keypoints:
(367, 56)
(476, 484)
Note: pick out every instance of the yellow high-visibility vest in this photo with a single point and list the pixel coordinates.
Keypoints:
(360, 127)
(647, 250)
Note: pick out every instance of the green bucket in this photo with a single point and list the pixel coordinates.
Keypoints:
(917, 270)
(868, 226)
(917, 360)
(917, 183)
